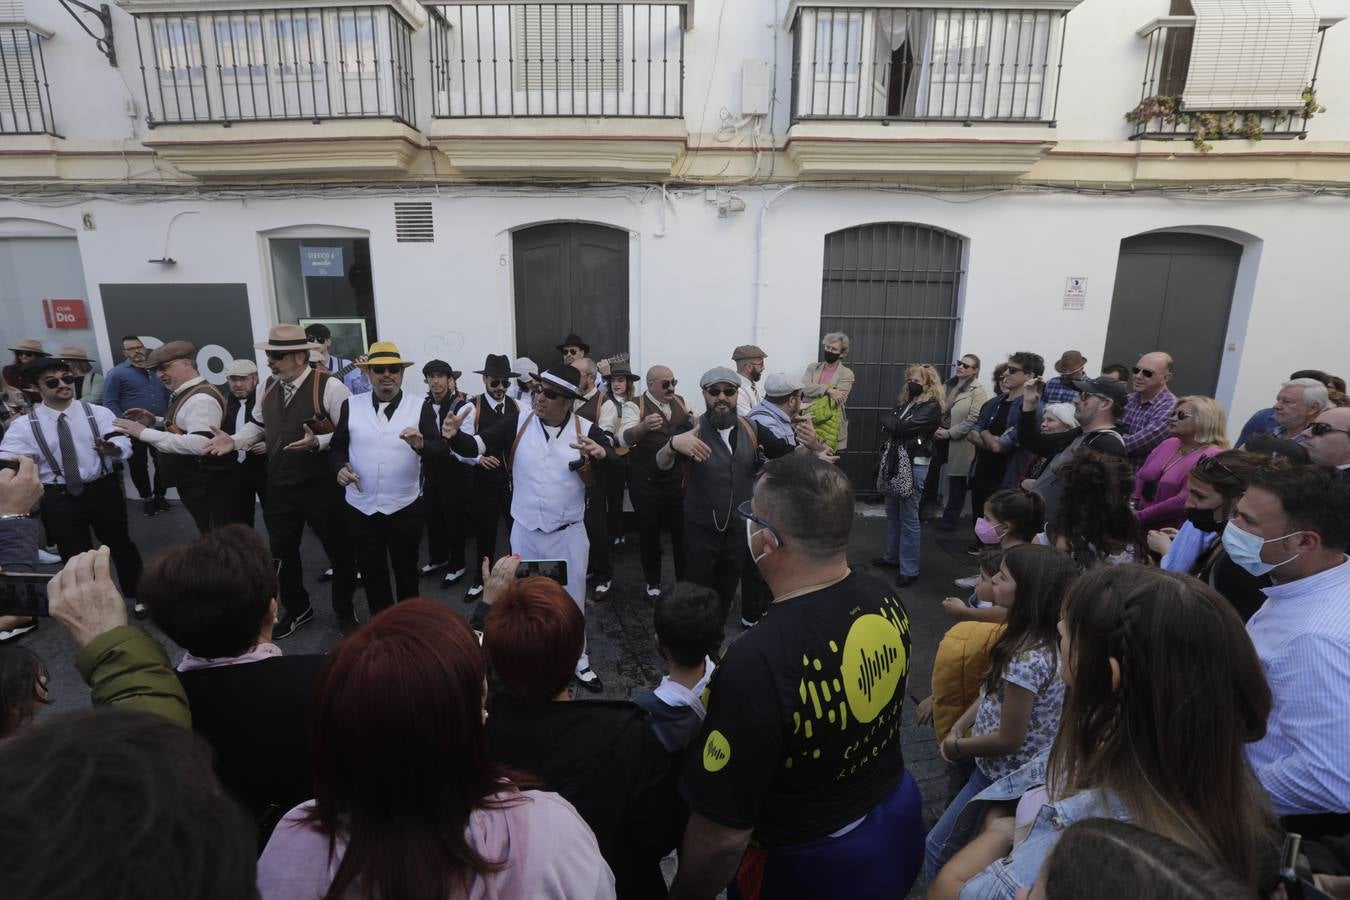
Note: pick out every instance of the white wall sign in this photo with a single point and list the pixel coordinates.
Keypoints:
(1075, 292)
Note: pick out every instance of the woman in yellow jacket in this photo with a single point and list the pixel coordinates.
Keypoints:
(963, 656)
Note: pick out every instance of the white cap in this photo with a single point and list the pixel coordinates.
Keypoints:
(241, 367)
(1064, 412)
(527, 369)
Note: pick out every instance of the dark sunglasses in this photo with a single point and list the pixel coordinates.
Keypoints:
(551, 395)
(18, 353)
(1208, 465)
(55, 382)
(1013, 370)
(961, 365)
(278, 355)
(496, 382)
(1147, 373)
(668, 384)
(1318, 429)
(383, 370)
(1182, 416)
(724, 392)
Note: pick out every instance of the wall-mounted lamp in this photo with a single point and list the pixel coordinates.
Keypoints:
(165, 259)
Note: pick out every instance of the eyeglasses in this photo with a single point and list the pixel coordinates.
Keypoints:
(53, 383)
(1182, 416)
(1147, 373)
(1318, 429)
(1208, 465)
(496, 382)
(744, 512)
(278, 355)
(723, 392)
(383, 370)
(1084, 395)
(1013, 370)
(551, 395)
(668, 384)
(961, 365)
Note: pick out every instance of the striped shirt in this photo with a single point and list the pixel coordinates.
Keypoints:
(1301, 634)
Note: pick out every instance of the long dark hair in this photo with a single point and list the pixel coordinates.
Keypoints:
(1168, 738)
(1021, 510)
(1043, 576)
(20, 673)
(400, 760)
(1103, 859)
(1093, 516)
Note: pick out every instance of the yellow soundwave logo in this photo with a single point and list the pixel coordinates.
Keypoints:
(716, 751)
(872, 663)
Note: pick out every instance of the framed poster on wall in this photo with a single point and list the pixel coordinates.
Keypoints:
(349, 335)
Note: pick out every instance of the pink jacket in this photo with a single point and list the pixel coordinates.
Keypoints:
(1167, 509)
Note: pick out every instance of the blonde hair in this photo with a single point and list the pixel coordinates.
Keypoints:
(932, 385)
(1211, 422)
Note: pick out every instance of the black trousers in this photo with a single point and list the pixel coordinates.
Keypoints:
(142, 454)
(447, 505)
(714, 558)
(597, 527)
(384, 542)
(491, 503)
(102, 508)
(252, 483)
(934, 479)
(616, 480)
(956, 499)
(658, 511)
(212, 498)
(317, 503)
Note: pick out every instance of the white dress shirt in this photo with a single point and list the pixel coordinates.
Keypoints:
(19, 441)
(632, 414)
(334, 392)
(1302, 635)
(749, 396)
(200, 413)
(470, 424)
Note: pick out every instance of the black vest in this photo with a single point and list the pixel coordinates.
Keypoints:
(484, 418)
(725, 480)
(646, 476)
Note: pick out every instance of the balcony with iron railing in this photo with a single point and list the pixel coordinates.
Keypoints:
(1264, 93)
(25, 98)
(924, 86)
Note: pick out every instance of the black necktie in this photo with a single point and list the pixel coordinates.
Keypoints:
(70, 463)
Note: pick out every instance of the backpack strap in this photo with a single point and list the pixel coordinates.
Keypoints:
(511, 460)
(750, 430)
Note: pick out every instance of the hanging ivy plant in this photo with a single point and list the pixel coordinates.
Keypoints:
(1205, 125)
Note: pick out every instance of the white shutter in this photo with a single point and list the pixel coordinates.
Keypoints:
(20, 102)
(1250, 54)
(567, 48)
(12, 11)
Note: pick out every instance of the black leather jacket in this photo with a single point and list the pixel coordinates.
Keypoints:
(913, 426)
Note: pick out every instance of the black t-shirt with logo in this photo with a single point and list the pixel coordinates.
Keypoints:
(802, 734)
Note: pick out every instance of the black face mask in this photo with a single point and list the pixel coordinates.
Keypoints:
(1203, 520)
(914, 389)
(755, 375)
(831, 358)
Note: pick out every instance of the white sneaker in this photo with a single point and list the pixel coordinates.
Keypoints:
(968, 583)
(46, 558)
(600, 591)
(474, 591)
(653, 591)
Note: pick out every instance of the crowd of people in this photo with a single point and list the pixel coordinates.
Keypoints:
(1143, 692)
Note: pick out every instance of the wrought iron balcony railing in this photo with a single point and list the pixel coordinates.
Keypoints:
(25, 100)
(307, 63)
(926, 64)
(558, 59)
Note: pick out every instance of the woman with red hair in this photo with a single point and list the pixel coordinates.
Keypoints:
(599, 754)
(407, 803)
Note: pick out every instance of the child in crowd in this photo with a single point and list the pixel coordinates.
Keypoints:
(962, 659)
(1158, 665)
(1010, 517)
(1017, 713)
(689, 625)
(23, 689)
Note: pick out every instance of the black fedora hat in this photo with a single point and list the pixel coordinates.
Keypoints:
(573, 341)
(442, 367)
(497, 366)
(564, 378)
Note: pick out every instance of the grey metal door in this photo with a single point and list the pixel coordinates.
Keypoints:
(1173, 292)
(570, 277)
(893, 289)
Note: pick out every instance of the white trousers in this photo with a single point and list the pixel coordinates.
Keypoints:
(570, 544)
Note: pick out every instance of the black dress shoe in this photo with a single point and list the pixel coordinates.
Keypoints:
(589, 680)
(883, 563)
(148, 508)
(161, 504)
(906, 580)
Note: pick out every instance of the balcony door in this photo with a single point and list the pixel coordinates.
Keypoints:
(893, 289)
(570, 277)
(1174, 292)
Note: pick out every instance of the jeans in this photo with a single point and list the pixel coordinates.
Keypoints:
(902, 526)
(933, 859)
(956, 499)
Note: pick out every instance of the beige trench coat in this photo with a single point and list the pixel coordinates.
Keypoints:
(843, 381)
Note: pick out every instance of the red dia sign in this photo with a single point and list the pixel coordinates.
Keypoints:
(64, 313)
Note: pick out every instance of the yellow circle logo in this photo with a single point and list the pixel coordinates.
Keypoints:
(716, 751)
(873, 661)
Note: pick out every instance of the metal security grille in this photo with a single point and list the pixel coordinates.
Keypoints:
(893, 289)
(413, 223)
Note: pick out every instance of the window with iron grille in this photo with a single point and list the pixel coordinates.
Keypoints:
(567, 48)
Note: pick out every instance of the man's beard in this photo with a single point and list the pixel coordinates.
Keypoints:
(720, 419)
(755, 374)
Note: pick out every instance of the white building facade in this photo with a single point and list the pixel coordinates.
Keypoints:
(673, 179)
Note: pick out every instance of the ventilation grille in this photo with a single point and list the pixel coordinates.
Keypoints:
(413, 223)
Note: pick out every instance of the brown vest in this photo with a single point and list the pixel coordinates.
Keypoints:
(284, 423)
(646, 476)
(182, 469)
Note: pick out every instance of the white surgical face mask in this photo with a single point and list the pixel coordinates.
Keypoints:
(1244, 548)
(750, 540)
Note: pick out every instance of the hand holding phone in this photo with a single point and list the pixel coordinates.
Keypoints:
(549, 568)
(24, 594)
